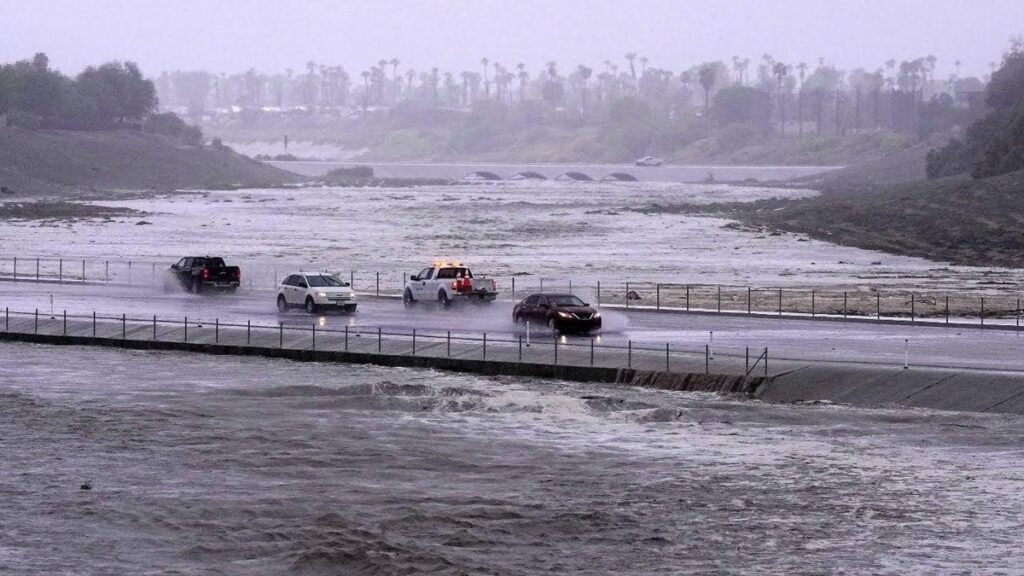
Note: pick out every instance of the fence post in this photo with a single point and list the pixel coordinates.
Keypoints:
(379, 338)
(37, 269)
(765, 360)
(248, 332)
(83, 270)
(186, 329)
(520, 347)
(106, 270)
(35, 330)
(627, 294)
(514, 290)
(591, 351)
(413, 341)
(378, 284)
(15, 267)
(746, 361)
(947, 308)
(556, 351)
(352, 279)
(1018, 313)
(280, 334)
(154, 327)
(449, 343)
(629, 355)
(346, 337)
(878, 305)
(780, 301)
(667, 365)
(913, 311)
(65, 322)
(983, 311)
(152, 275)
(93, 323)
(216, 330)
(687, 297)
(570, 286)
(485, 345)
(657, 301)
(748, 299)
(812, 304)
(719, 298)
(124, 326)
(541, 284)
(845, 307)
(314, 336)
(598, 292)
(60, 272)
(707, 358)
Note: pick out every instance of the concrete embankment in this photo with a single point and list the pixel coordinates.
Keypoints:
(973, 391)
(842, 384)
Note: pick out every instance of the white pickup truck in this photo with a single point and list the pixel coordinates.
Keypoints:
(447, 283)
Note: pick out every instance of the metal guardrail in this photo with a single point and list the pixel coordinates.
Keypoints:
(542, 348)
(877, 304)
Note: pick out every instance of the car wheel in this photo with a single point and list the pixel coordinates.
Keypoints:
(552, 325)
(282, 304)
(196, 287)
(442, 300)
(407, 300)
(516, 319)
(310, 306)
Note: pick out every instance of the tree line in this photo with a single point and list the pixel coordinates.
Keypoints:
(777, 97)
(994, 144)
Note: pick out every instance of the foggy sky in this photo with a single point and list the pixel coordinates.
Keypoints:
(272, 35)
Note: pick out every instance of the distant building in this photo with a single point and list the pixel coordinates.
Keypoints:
(968, 92)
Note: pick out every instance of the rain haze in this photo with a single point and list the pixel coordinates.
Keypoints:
(237, 35)
(453, 287)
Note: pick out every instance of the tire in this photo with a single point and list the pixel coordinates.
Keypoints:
(195, 288)
(282, 304)
(552, 325)
(442, 300)
(407, 300)
(310, 306)
(516, 319)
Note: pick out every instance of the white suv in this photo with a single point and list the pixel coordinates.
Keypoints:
(315, 292)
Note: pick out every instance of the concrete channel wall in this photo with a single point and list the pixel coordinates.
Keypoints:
(853, 385)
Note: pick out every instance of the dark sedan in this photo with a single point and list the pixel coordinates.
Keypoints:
(560, 312)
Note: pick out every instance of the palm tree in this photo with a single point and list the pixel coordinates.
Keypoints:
(585, 76)
(522, 81)
(643, 66)
(487, 83)
(394, 79)
(410, 74)
(802, 68)
(780, 71)
(366, 89)
(631, 57)
(707, 82)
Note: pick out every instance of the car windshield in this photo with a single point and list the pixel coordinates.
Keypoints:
(565, 300)
(211, 262)
(323, 281)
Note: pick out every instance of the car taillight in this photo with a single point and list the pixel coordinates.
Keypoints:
(206, 273)
(238, 273)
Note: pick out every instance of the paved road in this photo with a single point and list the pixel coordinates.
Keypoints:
(800, 340)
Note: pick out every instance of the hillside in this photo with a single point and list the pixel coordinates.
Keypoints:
(957, 219)
(37, 162)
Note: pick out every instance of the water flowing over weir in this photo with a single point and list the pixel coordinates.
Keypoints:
(245, 465)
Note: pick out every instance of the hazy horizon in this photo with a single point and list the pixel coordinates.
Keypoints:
(231, 35)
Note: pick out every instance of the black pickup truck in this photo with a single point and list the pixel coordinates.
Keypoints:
(197, 273)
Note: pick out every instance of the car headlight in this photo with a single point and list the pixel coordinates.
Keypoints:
(564, 314)
(596, 315)
(321, 294)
